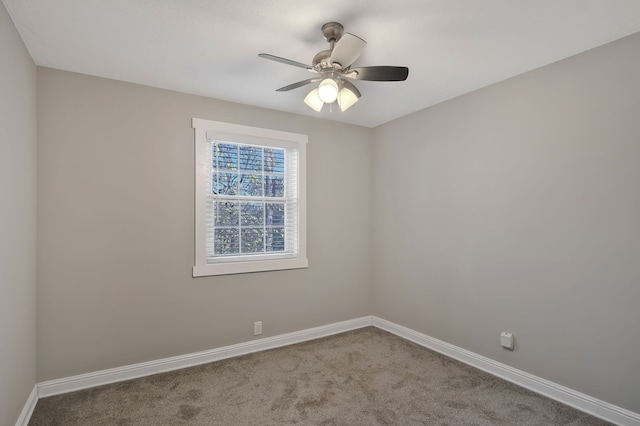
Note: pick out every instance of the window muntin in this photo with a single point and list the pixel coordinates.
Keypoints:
(250, 200)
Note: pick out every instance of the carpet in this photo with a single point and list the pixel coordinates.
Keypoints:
(362, 377)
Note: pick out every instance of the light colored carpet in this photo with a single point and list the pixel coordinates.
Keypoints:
(362, 377)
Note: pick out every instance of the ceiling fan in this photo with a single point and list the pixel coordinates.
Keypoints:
(334, 70)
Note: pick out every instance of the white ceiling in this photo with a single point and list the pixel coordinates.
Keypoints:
(210, 47)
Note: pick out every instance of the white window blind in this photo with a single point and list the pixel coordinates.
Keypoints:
(252, 201)
(250, 209)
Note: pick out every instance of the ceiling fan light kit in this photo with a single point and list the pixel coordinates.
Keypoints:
(347, 98)
(314, 101)
(334, 69)
(328, 90)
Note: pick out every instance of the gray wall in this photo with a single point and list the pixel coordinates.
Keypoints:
(17, 222)
(512, 208)
(517, 208)
(115, 229)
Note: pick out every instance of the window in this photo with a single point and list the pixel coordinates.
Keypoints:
(249, 199)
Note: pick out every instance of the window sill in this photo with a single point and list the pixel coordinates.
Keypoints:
(248, 267)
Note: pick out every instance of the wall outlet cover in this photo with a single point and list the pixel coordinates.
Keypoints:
(506, 340)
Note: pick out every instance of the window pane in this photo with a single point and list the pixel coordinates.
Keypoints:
(252, 240)
(274, 160)
(275, 239)
(250, 158)
(274, 214)
(227, 184)
(252, 214)
(251, 185)
(226, 155)
(226, 241)
(273, 186)
(226, 213)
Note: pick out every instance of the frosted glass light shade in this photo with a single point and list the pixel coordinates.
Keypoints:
(328, 90)
(313, 101)
(346, 99)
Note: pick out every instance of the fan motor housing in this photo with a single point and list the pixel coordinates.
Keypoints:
(322, 59)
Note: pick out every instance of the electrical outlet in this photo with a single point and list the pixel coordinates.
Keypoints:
(506, 340)
(257, 328)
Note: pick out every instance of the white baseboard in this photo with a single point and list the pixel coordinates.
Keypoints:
(27, 410)
(112, 375)
(539, 385)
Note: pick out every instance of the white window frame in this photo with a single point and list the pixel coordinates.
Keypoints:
(239, 134)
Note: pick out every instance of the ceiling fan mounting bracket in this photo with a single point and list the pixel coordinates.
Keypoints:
(332, 31)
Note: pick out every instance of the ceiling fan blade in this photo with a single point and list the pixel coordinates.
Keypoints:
(347, 50)
(285, 61)
(298, 84)
(380, 73)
